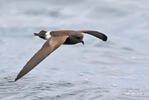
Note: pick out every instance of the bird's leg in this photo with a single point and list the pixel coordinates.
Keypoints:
(77, 39)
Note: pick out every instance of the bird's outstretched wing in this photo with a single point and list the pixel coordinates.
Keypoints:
(49, 46)
(96, 34)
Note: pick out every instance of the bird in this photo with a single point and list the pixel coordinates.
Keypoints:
(54, 39)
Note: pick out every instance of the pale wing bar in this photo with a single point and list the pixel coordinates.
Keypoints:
(50, 45)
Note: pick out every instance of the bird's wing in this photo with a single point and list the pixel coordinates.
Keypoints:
(96, 34)
(49, 46)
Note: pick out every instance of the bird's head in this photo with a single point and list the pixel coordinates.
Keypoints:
(43, 34)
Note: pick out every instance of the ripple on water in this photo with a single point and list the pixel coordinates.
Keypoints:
(133, 92)
(73, 94)
(107, 44)
(59, 90)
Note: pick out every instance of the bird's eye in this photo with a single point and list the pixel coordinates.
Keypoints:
(42, 37)
(78, 37)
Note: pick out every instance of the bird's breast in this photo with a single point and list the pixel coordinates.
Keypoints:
(69, 41)
(72, 40)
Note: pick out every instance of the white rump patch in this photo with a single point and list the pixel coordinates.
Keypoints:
(47, 35)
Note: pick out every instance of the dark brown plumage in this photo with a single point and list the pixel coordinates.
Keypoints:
(57, 38)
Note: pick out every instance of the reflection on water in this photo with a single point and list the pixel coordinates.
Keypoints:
(116, 69)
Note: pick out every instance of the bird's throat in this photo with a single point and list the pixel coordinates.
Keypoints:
(47, 35)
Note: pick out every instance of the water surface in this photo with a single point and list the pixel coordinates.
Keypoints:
(112, 70)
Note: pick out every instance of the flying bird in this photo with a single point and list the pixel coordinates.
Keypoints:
(54, 39)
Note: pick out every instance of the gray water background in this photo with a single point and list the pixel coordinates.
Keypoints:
(114, 70)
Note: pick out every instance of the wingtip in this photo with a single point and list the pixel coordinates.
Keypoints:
(105, 38)
(16, 79)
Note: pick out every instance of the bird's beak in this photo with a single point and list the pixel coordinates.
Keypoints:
(36, 34)
(82, 42)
